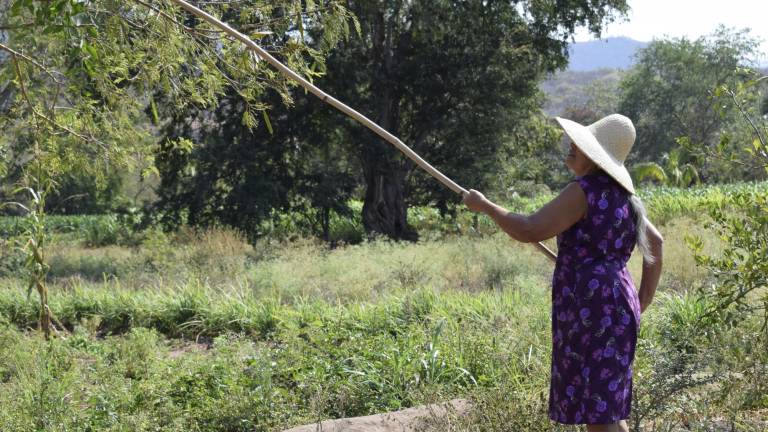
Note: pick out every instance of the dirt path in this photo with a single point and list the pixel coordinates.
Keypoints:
(407, 420)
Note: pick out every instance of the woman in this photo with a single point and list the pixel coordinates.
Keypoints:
(595, 309)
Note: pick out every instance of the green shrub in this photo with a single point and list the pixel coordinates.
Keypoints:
(741, 273)
(12, 259)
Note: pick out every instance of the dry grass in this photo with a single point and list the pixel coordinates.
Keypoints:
(366, 271)
(308, 269)
(681, 273)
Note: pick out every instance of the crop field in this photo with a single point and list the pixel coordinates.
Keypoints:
(200, 330)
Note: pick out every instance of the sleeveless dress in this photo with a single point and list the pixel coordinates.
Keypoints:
(595, 310)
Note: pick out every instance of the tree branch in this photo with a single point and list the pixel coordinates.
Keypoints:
(39, 115)
(32, 61)
(173, 20)
(5, 27)
(747, 117)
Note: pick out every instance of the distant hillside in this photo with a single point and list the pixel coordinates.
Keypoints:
(610, 53)
(595, 63)
(572, 88)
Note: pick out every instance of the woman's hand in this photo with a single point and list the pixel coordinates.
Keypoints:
(475, 201)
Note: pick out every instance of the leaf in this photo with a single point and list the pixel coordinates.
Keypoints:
(265, 116)
(260, 34)
(29, 288)
(27, 189)
(90, 50)
(690, 175)
(16, 7)
(300, 23)
(59, 6)
(184, 145)
(18, 204)
(248, 120)
(649, 170)
(79, 19)
(153, 108)
(89, 67)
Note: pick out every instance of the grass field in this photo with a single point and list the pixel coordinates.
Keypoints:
(202, 331)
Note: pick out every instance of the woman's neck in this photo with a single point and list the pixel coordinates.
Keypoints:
(592, 171)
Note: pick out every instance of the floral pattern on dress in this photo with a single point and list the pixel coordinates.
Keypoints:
(595, 310)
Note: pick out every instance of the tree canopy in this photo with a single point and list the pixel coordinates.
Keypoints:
(86, 75)
(669, 91)
(452, 79)
(457, 81)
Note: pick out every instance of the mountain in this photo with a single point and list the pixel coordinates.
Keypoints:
(610, 53)
(570, 88)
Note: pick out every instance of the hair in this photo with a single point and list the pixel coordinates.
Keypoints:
(641, 226)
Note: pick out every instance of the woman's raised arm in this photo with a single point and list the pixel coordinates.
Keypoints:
(555, 217)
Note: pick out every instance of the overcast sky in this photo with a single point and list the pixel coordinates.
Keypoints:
(650, 19)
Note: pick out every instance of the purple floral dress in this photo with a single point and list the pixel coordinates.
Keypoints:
(595, 310)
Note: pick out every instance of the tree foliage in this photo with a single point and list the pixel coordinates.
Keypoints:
(669, 91)
(738, 292)
(242, 176)
(83, 72)
(531, 159)
(215, 170)
(90, 72)
(671, 172)
(452, 80)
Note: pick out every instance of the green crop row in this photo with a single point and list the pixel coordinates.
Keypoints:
(11, 226)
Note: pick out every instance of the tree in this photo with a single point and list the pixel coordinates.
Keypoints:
(83, 72)
(451, 79)
(241, 176)
(740, 271)
(531, 159)
(216, 170)
(672, 173)
(668, 93)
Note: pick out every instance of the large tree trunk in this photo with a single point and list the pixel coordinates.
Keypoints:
(384, 209)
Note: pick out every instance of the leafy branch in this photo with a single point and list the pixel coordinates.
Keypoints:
(31, 61)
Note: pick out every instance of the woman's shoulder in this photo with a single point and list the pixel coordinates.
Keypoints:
(601, 189)
(590, 181)
(596, 180)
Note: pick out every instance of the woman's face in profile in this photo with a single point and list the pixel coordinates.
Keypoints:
(577, 162)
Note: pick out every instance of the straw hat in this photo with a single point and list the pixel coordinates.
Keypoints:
(606, 142)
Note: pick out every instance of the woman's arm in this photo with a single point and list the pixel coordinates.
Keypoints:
(555, 217)
(651, 270)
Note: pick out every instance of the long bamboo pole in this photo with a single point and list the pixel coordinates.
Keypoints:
(442, 178)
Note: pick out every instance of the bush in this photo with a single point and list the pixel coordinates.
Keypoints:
(12, 259)
(92, 230)
(741, 273)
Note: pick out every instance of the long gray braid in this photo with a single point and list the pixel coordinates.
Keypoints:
(641, 225)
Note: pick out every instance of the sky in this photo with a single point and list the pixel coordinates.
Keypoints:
(650, 19)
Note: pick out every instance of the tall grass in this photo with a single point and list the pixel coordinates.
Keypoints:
(265, 365)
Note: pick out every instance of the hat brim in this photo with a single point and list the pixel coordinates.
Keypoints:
(583, 138)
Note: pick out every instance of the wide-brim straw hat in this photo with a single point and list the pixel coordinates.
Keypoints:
(605, 142)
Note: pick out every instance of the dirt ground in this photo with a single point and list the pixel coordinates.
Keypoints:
(407, 420)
